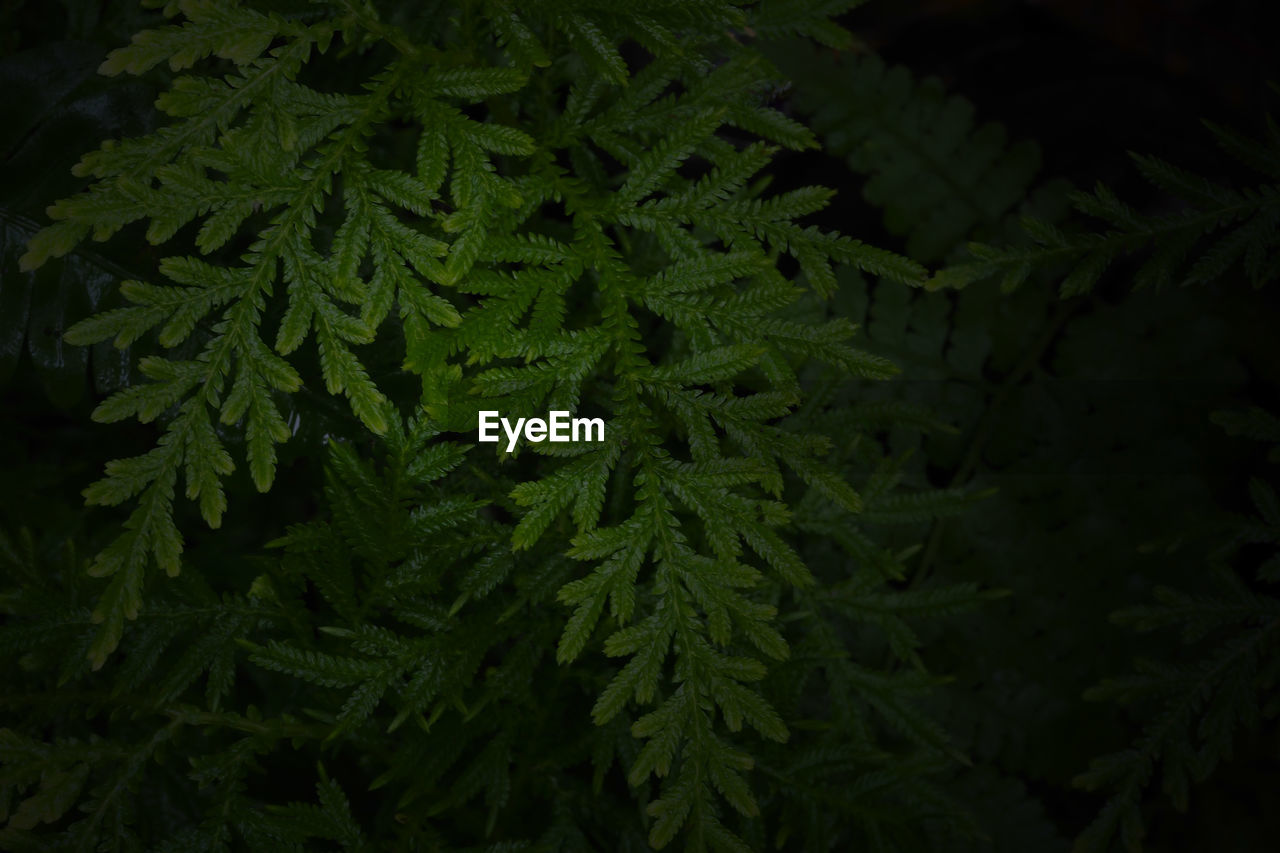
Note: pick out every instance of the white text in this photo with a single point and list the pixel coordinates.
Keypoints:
(558, 427)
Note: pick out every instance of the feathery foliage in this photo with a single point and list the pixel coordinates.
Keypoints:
(575, 229)
(937, 174)
(259, 152)
(207, 676)
(1202, 701)
(1210, 229)
(932, 344)
(359, 223)
(400, 645)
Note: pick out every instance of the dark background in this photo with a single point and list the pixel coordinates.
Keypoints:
(1091, 417)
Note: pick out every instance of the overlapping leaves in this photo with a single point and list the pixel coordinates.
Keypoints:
(552, 239)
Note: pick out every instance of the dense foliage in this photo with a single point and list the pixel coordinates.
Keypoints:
(777, 606)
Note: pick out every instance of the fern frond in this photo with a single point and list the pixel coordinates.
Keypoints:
(1224, 228)
(503, 222)
(938, 175)
(1203, 699)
